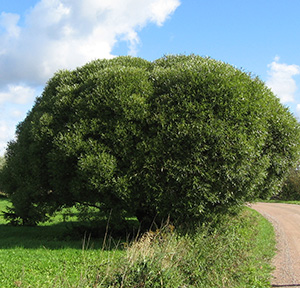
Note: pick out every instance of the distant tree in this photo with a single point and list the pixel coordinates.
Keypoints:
(291, 187)
(2, 161)
(183, 137)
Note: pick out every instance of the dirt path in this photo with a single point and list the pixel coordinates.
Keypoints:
(286, 221)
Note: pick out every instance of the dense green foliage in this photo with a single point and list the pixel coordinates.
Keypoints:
(2, 161)
(183, 137)
(291, 187)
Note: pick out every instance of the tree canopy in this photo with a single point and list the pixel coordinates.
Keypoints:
(183, 137)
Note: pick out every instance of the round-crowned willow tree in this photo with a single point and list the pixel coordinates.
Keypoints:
(183, 137)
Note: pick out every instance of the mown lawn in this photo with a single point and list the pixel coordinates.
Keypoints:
(42, 257)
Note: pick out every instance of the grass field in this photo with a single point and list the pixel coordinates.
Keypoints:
(41, 257)
(237, 254)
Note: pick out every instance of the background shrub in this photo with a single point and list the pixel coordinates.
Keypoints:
(291, 187)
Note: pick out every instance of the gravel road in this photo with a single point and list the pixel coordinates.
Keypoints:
(286, 221)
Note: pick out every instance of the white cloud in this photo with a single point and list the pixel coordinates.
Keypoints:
(18, 94)
(281, 80)
(64, 34)
(68, 33)
(298, 109)
(9, 22)
(160, 10)
(17, 114)
(14, 102)
(6, 134)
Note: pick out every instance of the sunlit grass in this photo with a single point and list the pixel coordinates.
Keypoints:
(236, 254)
(43, 257)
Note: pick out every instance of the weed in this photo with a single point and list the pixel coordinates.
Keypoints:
(236, 254)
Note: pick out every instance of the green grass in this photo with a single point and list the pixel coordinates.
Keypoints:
(42, 257)
(282, 201)
(236, 254)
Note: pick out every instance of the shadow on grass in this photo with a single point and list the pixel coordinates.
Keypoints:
(56, 236)
(50, 237)
(63, 234)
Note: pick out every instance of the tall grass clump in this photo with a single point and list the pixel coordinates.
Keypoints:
(234, 254)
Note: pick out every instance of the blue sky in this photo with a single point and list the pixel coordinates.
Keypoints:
(39, 37)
